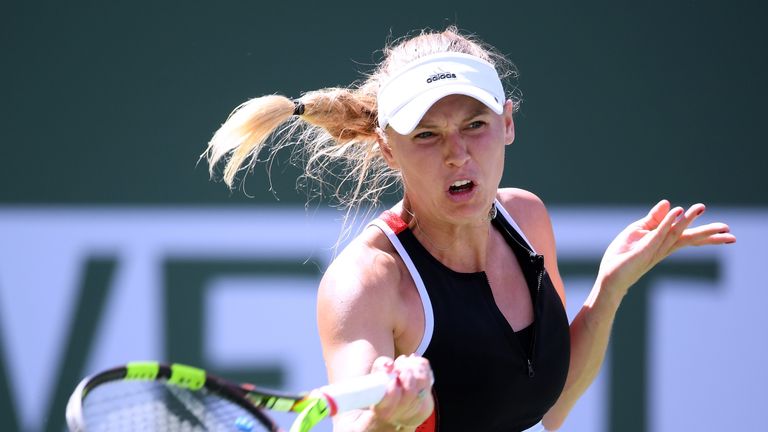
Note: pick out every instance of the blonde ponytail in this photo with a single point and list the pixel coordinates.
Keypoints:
(246, 131)
(332, 125)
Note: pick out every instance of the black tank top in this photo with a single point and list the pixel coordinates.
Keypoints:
(487, 376)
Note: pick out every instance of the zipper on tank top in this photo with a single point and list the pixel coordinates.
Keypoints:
(537, 261)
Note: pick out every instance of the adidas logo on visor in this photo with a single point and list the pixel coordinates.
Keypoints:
(439, 76)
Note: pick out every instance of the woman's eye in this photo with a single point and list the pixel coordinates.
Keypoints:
(423, 135)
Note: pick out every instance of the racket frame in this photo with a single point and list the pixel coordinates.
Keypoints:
(312, 406)
(246, 396)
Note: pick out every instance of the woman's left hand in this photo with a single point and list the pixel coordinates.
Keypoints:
(644, 243)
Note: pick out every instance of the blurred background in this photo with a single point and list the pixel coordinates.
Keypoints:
(116, 246)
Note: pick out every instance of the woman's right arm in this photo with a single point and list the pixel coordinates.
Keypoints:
(359, 305)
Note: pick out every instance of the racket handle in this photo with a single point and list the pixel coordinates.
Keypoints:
(356, 393)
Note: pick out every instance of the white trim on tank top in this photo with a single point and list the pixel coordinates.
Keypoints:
(426, 304)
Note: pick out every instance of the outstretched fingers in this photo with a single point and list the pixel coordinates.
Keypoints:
(680, 224)
(710, 234)
(646, 242)
(680, 234)
(655, 216)
(663, 223)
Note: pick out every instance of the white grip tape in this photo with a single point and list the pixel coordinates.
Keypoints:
(356, 393)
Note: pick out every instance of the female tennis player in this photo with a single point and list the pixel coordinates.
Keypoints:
(458, 282)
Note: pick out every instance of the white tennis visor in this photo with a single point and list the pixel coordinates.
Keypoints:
(406, 96)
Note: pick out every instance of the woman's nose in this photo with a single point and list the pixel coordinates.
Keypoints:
(456, 153)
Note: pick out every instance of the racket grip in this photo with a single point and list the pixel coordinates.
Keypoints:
(356, 393)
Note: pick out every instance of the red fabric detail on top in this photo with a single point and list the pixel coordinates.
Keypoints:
(332, 407)
(430, 424)
(395, 222)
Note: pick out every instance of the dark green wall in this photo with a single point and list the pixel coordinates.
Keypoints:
(112, 102)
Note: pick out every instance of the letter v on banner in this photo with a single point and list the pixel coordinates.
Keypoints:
(95, 287)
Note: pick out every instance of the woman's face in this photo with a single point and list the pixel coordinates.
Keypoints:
(452, 162)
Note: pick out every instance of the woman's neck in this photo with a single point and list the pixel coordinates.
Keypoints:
(461, 247)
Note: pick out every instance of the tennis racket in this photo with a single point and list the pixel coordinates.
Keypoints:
(152, 396)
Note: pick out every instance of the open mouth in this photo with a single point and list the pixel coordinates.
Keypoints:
(461, 186)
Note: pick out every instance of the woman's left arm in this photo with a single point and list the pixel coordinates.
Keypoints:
(636, 250)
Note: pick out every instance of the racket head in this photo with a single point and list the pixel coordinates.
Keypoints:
(155, 396)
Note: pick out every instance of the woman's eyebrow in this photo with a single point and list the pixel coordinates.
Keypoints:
(479, 110)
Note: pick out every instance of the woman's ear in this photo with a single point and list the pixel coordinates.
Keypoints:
(509, 122)
(386, 150)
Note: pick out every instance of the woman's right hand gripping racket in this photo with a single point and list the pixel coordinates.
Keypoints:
(151, 396)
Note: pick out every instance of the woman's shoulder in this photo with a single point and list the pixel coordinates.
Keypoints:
(360, 301)
(529, 212)
(521, 204)
(366, 265)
